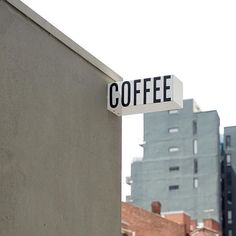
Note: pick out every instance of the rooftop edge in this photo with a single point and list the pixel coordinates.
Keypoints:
(36, 18)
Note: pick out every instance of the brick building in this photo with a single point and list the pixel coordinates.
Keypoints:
(145, 223)
(125, 231)
(140, 222)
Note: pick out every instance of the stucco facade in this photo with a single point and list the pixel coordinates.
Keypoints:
(60, 149)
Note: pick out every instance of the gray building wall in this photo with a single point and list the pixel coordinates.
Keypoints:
(160, 169)
(229, 181)
(60, 149)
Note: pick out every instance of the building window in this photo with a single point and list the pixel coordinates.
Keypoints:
(174, 168)
(230, 232)
(227, 141)
(229, 197)
(195, 166)
(173, 112)
(229, 216)
(228, 159)
(194, 127)
(228, 178)
(222, 185)
(195, 147)
(195, 182)
(173, 130)
(222, 167)
(173, 149)
(173, 187)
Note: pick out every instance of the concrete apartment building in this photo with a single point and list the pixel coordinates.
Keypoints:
(60, 149)
(229, 181)
(181, 163)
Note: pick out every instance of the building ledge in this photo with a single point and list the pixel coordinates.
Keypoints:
(28, 12)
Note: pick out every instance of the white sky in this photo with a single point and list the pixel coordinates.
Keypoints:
(194, 40)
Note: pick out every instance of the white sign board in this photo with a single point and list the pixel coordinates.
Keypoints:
(147, 95)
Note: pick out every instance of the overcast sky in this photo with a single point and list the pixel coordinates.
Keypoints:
(194, 40)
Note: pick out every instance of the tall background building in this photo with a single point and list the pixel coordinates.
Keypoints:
(229, 181)
(181, 163)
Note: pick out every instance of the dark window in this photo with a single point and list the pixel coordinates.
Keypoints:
(229, 178)
(222, 185)
(174, 168)
(223, 205)
(229, 197)
(221, 149)
(194, 127)
(227, 141)
(223, 222)
(195, 165)
(173, 187)
(222, 167)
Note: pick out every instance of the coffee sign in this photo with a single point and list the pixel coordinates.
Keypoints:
(145, 95)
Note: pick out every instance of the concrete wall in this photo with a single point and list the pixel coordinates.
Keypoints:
(60, 149)
(152, 176)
